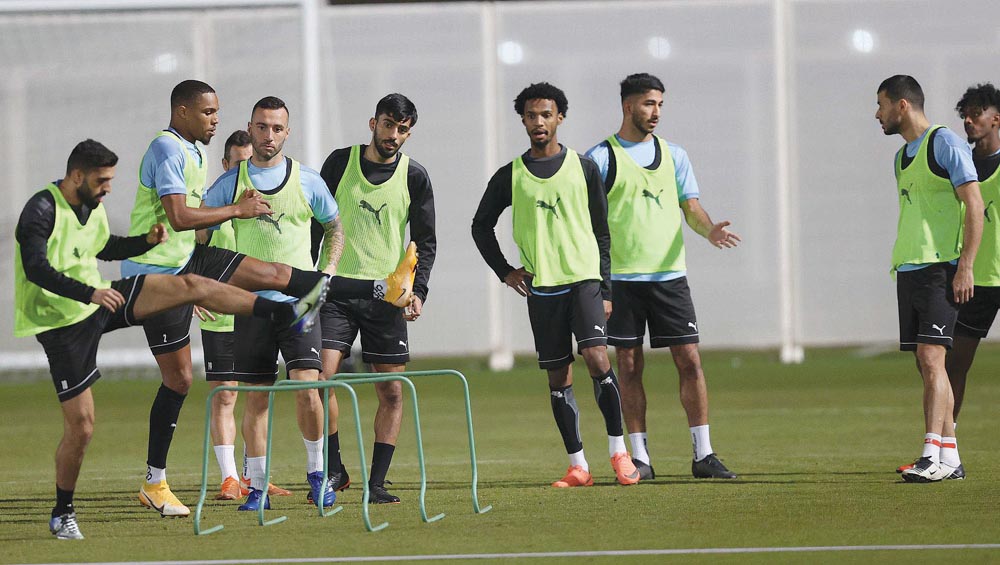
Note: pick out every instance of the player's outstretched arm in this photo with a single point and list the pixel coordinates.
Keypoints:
(963, 284)
(182, 217)
(716, 233)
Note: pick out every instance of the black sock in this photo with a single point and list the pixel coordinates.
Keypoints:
(333, 461)
(381, 457)
(567, 417)
(280, 312)
(162, 421)
(64, 502)
(609, 400)
(344, 288)
(301, 282)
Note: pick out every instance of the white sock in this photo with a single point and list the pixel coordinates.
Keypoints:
(380, 288)
(578, 459)
(314, 455)
(225, 455)
(639, 451)
(932, 447)
(255, 470)
(949, 452)
(701, 442)
(155, 475)
(616, 444)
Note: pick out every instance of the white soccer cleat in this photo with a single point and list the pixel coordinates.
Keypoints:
(925, 471)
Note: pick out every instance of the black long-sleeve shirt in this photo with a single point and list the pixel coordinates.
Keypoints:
(498, 197)
(421, 212)
(33, 230)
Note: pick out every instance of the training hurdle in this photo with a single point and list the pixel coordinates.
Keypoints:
(358, 377)
(341, 381)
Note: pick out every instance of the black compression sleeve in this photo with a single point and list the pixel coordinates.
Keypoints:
(118, 247)
(496, 199)
(598, 202)
(422, 225)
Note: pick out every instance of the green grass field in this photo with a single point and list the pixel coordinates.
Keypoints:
(815, 446)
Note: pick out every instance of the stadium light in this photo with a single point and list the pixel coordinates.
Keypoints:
(165, 63)
(510, 52)
(863, 41)
(659, 47)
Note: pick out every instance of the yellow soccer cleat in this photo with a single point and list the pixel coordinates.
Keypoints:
(399, 285)
(158, 497)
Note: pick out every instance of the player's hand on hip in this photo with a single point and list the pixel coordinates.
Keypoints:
(108, 298)
(519, 279)
(157, 234)
(963, 285)
(204, 314)
(413, 311)
(251, 205)
(721, 237)
(607, 309)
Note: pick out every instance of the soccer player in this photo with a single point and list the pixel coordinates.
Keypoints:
(651, 187)
(295, 194)
(61, 299)
(561, 230)
(171, 180)
(380, 190)
(979, 109)
(940, 225)
(217, 348)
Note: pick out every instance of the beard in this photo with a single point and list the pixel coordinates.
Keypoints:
(643, 125)
(86, 195)
(383, 152)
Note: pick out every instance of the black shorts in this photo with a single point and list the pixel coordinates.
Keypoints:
(556, 319)
(171, 330)
(218, 350)
(72, 350)
(383, 330)
(665, 306)
(976, 316)
(258, 343)
(927, 308)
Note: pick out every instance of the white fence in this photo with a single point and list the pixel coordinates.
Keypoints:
(773, 100)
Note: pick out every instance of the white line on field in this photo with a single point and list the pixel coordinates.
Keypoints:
(552, 554)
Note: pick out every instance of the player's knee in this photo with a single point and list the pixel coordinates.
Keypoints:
(179, 381)
(390, 394)
(80, 428)
(225, 400)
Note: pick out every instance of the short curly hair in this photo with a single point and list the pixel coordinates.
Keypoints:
(541, 91)
(979, 96)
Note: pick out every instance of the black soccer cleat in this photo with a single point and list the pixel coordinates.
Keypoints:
(645, 470)
(956, 474)
(378, 495)
(711, 468)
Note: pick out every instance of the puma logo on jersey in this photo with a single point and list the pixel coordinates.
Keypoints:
(366, 206)
(195, 194)
(906, 194)
(549, 207)
(599, 328)
(76, 251)
(403, 343)
(986, 212)
(940, 329)
(272, 220)
(313, 349)
(693, 326)
(656, 198)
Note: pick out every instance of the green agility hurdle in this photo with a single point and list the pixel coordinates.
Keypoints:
(341, 381)
(358, 377)
(288, 385)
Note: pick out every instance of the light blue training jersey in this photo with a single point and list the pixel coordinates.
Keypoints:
(324, 207)
(162, 168)
(955, 156)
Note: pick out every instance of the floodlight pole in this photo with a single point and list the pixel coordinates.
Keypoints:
(311, 93)
(791, 347)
